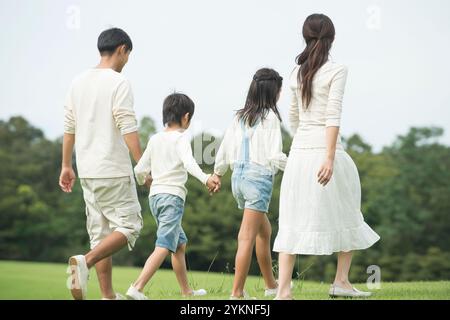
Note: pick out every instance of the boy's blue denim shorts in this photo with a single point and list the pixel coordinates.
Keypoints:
(168, 209)
(252, 186)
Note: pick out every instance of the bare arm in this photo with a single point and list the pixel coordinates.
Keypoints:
(332, 123)
(67, 177)
(331, 136)
(132, 141)
(143, 167)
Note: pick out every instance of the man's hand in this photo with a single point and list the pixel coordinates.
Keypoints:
(67, 179)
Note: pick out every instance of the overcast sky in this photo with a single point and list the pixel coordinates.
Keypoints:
(397, 52)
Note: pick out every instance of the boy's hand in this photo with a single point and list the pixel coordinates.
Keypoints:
(213, 184)
(210, 184)
(148, 181)
(67, 179)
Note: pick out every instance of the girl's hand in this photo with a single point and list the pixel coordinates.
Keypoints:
(211, 184)
(217, 178)
(325, 172)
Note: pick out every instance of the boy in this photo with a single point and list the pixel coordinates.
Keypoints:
(99, 116)
(168, 157)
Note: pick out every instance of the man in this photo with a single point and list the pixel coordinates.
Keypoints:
(101, 123)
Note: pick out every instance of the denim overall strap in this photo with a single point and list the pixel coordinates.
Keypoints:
(245, 147)
(245, 144)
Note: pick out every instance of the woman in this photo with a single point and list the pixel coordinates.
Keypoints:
(320, 196)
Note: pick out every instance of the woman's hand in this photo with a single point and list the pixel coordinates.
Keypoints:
(325, 172)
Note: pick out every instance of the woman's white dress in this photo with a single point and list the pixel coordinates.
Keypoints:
(316, 219)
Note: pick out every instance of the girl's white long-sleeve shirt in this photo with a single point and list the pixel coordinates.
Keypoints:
(265, 145)
(168, 157)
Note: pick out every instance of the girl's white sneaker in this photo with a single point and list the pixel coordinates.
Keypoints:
(336, 291)
(135, 294)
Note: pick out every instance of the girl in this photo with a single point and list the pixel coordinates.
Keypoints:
(320, 198)
(252, 146)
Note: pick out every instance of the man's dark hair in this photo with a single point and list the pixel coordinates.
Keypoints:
(110, 39)
(175, 106)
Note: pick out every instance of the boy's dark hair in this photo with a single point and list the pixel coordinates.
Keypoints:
(110, 39)
(175, 106)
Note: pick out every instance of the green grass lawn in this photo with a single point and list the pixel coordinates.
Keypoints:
(28, 280)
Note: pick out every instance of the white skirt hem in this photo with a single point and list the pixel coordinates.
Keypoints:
(291, 241)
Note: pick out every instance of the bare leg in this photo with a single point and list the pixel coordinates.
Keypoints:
(251, 223)
(104, 275)
(110, 245)
(179, 267)
(263, 253)
(286, 268)
(151, 265)
(343, 268)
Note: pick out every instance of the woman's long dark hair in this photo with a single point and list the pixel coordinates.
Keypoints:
(262, 96)
(318, 32)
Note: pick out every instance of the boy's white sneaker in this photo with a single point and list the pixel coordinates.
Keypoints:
(118, 297)
(79, 276)
(135, 294)
(336, 291)
(274, 291)
(199, 292)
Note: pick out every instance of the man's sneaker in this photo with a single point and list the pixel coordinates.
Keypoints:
(118, 297)
(245, 296)
(273, 292)
(79, 276)
(336, 291)
(135, 294)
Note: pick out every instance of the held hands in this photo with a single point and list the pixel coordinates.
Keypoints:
(67, 179)
(148, 181)
(325, 172)
(213, 184)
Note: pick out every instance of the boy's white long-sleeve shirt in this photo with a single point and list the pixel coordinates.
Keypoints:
(168, 157)
(265, 145)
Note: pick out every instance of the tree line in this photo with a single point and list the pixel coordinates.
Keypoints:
(405, 198)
